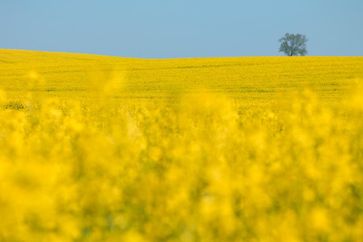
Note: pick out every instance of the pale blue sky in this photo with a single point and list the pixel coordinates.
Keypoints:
(181, 28)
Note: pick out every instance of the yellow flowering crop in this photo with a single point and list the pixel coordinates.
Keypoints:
(234, 149)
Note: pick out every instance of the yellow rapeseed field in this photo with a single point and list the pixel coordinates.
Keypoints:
(112, 149)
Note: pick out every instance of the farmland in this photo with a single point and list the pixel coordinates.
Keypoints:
(96, 148)
(249, 78)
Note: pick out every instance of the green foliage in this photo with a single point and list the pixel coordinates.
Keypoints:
(293, 44)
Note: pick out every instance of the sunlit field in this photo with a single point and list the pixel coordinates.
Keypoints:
(96, 148)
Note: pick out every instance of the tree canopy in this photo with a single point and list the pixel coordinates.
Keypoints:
(293, 44)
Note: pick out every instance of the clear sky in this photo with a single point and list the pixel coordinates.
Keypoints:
(181, 28)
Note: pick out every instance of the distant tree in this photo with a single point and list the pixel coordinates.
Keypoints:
(293, 44)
